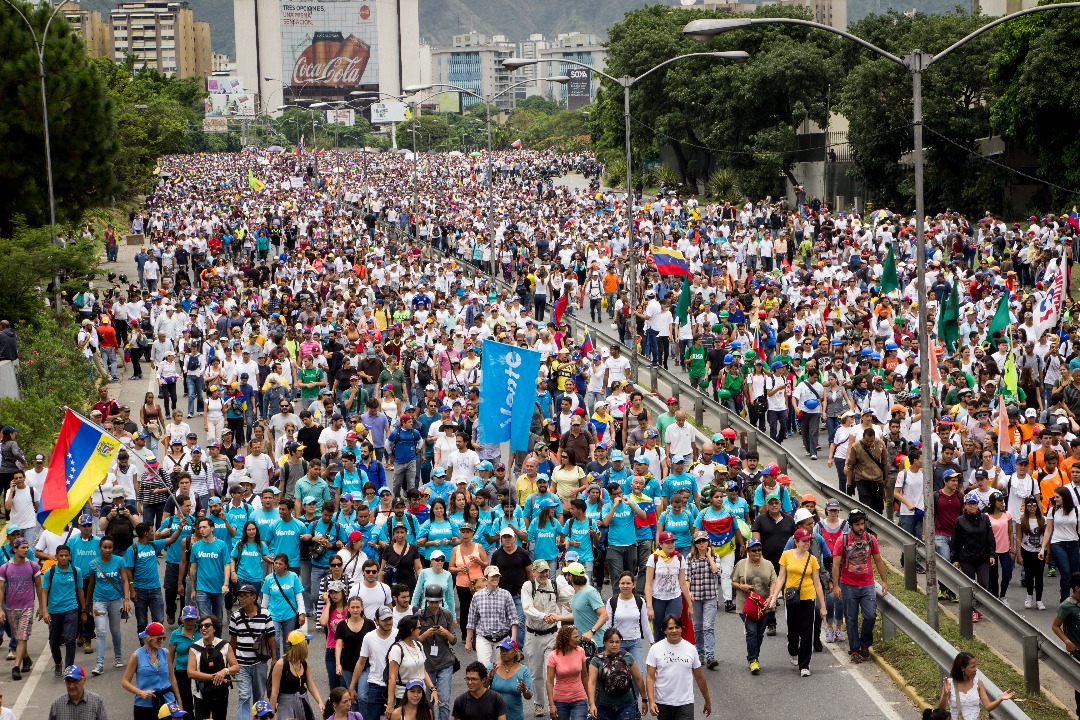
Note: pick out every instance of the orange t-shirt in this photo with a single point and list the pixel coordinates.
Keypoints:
(611, 283)
(1048, 484)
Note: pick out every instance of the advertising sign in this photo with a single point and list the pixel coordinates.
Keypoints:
(238, 105)
(579, 89)
(329, 43)
(215, 124)
(387, 112)
(224, 85)
(345, 116)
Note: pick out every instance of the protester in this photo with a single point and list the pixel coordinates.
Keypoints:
(963, 692)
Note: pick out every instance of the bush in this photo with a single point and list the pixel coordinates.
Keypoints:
(53, 374)
(616, 174)
(721, 184)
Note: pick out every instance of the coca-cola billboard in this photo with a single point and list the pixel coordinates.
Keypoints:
(330, 44)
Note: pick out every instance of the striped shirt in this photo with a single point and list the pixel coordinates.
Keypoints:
(247, 629)
(89, 708)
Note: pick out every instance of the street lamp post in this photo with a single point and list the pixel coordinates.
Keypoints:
(488, 100)
(916, 62)
(628, 82)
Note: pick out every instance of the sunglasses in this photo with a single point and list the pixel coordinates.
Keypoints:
(206, 625)
(370, 572)
(335, 564)
(702, 540)
(755, 549)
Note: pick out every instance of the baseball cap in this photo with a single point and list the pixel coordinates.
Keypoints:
(673, 401)
(801, 534)
(215, 500)
(753, 542)
(832, 505)
(492, 571)
(507, 531)
(192, 613)
(666, 537)
(355, 535)
(575, 568)
(74, 672)
(296, 637)
(154, 629)
(309, 500)
(414, 683)
(84, 520)
(508, 643)
(383, 612)
(262, 708)
(571, 556)
(540, 566)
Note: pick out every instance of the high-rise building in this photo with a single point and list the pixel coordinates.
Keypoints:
(584, 48)
(827, 12)
(93, 28)
(474, 62)
(161, 34)
(326, 49)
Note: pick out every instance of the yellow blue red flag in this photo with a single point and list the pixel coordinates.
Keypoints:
(80, 461)
(668, 261)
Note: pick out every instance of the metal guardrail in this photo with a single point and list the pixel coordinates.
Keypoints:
(897, 616)
(1033, 641)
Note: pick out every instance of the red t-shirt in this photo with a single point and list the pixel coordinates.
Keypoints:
(856, 559)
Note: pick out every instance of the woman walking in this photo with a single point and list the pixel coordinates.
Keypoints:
(665, 582)
(291, 681)
(1001, 522)
(180, 641)
(668, 687)
(799, 581)
(1061, 541)
(1031, 528)
(701, 571)
(467, 563)
(211, 664)
(334, 611)
(753, 575)
(166, 378)
(511, 679)
(405, 663)
(348, 638)
(973, 544)
(436, 576)
(567, 675)
(111, 597)
(613, 676)
(630, 617)
(149, 675)
(963, 692)
(283, 596)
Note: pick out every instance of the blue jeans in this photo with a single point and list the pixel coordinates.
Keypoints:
(704, 619)
(831, 423)
(250, 685)
(108, 356)
(943, 547)
(626, 711)
(856, 598)
(755, 633)
(520, 621)
(1067, 561)
(148, 599)
(282, 630)
(211, 604)
(442, 680)
(194, 385)
(376, 700)
(577, 710)
(661, 609)
(107, 622)
(912, 526)
(333, 680)
(649, 346)
(778, 422)
(635, 648)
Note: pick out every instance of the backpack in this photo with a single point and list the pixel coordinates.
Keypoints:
(613, 601)
(192, 363)
(211, 660)
(386, 663)
(423, 373)
(615, 677)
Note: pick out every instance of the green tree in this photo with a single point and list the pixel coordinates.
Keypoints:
(1039, 79)
(876, 99)
(537, 103)
(707, 110)
(40, 261)
(81, 122)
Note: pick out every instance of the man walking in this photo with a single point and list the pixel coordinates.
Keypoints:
(541, 599)
(853, 553)
(492, 617)
(247, 625)
(20, 583)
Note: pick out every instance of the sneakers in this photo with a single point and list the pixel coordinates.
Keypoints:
(943, 596)
(812, 457)
(770, 630)
(976, 616)
(172, 619)
(27, 663)
(755, 667)
(1004, 601)
(98, 669)
(818, 647)
(856, 658)
(119, 664)
(794, 660)
(1052, 572)
(1040, 605)
(10, 654)
(57, 671)
(88, 646)
(839, 636)
(864, 653)
(16, 674)
(712, 664)
(805, 672)
(729, 606)
(1028, 602)
(829, 635)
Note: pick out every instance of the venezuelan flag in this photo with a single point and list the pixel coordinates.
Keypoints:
(648, 507)
(721, 531)
(587, 343)
(668, 261)
(759, 347)
(1074, 219)
(79, 462)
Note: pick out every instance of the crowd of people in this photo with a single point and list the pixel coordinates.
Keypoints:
(327, 330)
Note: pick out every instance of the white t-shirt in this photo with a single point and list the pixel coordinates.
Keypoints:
(36, 479)
(374, 648)
(631, 622)
(680, 439)
(23, 510)
(617, 368)
(258, 469)
(674, 671)
(372, 597)
(463, 464)
(665, 577)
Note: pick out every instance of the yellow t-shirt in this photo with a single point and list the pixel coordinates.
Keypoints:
(795, 567)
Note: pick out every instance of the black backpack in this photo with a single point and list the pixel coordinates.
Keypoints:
(615, 676)
(212, 660)
(423, 373)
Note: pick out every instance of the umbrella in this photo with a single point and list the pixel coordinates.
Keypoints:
(879, 215)
(275, 149)
(455, 153)
(474, 154)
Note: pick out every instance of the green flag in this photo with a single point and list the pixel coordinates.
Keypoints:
(1001, 317)
(949, 318)
(889, 279)
(682, 310)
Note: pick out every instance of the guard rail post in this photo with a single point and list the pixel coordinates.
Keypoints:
(699, 411)
(888, 628)
(653, 375)
(751, 441)
(722, 414)
(967, 607)
(1031, 664)
(911, 565)
(781, 460)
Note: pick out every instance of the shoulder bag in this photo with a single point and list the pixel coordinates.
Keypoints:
(791, 594)
(754, 607)
(286, 597)
(124, 614)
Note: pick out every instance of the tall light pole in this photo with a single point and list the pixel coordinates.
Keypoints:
(916, 62)
(628, 82)
(487, 101)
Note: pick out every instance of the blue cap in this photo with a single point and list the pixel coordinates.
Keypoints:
(438, 471)
(445, 408)
(548, 503)
(484, 465)
(85, 519)
(344, 496)
(812, 404)
(616, 455)
(238, 458)
(12, 527)
(875, 356)
(777, 365)
(309, 500)
(972, 497)
(736, 345)
(262, 708)
(732, 485)
(728, 359)
(677, 459)
(508, 643)
(866, 352)
(189, 613)
(836, 341)
(215, 500)
(572, 556)
(542, 476)
(890, 346)
(414, 683)
(74, 672)
(196, 449)
(753, 542)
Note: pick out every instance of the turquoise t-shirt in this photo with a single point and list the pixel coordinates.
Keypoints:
(580, 531)
(183, 644)
(679, 525)
(265, 519)
(621, 530)
(104, 591)
(248, 558)
(284, 537)
(487, 525)
(675, 483)
(174, 552)
(84, 552)
(351, 482)
(331, 532)
(584, 605)
(60, 588)
(438, 490)
(434, 531)
(211, 558)
(238, 515)
(282, 592)
(623, 477)
(145, 564)
(544, 540)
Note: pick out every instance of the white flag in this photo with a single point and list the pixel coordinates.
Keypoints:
(1048, 309)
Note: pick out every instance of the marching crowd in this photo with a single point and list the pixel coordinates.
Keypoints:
(325, 484)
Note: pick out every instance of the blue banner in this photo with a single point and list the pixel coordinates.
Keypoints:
(507, 394)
